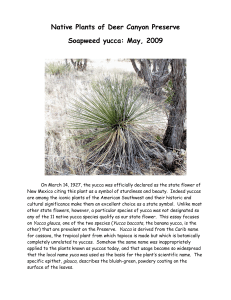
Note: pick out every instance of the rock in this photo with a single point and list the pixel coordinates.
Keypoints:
(169, 160)
(182, 151)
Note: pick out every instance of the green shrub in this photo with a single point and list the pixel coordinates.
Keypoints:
(56, 68)
(158, 138)
(169, 92)
(111, 121)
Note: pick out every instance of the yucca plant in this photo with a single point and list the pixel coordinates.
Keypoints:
(111, 119)
(56, 68)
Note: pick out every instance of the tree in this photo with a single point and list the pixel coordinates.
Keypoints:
(175, 129)
(78, 64)
(155, 72)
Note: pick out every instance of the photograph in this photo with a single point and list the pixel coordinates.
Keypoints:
(115, 117)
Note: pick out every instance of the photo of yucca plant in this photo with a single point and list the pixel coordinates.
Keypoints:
(111, 119)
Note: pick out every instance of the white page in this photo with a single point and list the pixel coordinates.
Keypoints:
(203, 40)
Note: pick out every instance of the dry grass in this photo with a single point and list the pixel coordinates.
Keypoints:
(64, 156)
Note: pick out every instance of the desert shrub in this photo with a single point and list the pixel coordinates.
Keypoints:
(111, 120)
(169, 91)
(56, 68)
